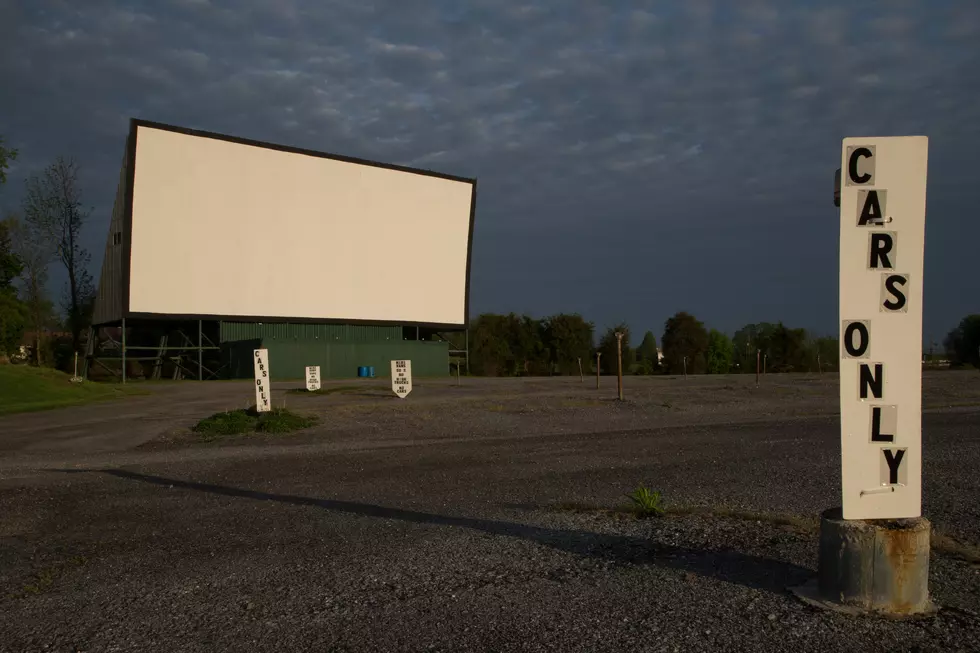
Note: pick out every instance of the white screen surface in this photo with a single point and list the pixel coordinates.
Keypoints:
(226, 229)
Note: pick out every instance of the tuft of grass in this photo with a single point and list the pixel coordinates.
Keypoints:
(232, 422)
(647, 503)
(280, 420)
(26, 389)
(242, 421)
(47, 576)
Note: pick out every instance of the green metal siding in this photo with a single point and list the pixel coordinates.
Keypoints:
(234, 331)
(337, 360)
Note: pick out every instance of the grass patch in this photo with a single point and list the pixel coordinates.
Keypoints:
(27, 389)
(240, 422)
(47, 576)
(280, 420)
(233, 422)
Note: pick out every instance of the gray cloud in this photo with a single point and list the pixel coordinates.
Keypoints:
(647, 155)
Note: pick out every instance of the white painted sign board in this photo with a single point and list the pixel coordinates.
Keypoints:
(401, 378)
(312, 377)
(882, 233)
(263, 395)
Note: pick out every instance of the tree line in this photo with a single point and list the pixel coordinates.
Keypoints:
(45, 232)
(520, 345)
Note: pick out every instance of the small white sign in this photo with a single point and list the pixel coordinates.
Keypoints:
(263, 394)
(401, 378)
(882, 229)
(313, 377)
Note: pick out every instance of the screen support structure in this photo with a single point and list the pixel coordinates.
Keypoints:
(155, 346)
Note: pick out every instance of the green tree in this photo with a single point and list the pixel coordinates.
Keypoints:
(489, 347)
(963, 342)
(720, 353)
(684, 338)
(748, 340)
(608, 349)
(10, 264)
(646, 353)
(568, 338)
(6, 156)
(53, 203)
(13, 312)
(787, 351)
(826, 354)
(34, 250)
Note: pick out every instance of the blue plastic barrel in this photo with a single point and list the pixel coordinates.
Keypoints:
(371, 371)
(362, 371)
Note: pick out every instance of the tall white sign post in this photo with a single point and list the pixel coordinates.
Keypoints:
(263, 395)
(312, 378)
(401, 378)
(882, 233)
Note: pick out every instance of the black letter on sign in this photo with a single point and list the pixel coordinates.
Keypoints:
(852, 165)
(894, 461)
(894, 286)
(873, 382)
(876, 434)
(881, 247)
(864, 338)
(871, 210)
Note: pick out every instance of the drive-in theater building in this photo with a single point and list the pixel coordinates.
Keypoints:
(220, 245)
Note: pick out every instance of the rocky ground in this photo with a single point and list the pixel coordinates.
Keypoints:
(463, 518)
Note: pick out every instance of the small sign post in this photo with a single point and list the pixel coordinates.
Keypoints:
(263, 394)
(401, 378)
(312, 378)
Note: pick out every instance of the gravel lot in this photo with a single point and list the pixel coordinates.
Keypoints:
(459, 519)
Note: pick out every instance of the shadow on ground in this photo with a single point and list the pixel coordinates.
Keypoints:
(728, 565)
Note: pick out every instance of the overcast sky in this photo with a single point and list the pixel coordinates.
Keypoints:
(634, 158)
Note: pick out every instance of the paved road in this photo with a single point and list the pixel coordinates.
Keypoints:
(401, 544)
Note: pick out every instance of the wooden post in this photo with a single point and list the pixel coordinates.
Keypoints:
(685, 367)
(200, 350)
(124, 350)
(580, 372)
(619, 362)
(598, 369)
(757, 354)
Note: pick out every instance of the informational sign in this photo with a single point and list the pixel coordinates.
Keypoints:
(263, 396)
(313, 378)
(401, 378)
(882, 232)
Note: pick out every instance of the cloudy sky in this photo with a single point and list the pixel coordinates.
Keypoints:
(634, 158)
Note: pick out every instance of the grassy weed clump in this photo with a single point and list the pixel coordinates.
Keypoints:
(647, 503)
(244, 421)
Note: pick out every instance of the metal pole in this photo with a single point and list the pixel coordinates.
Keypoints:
(457, 374)
(200, 350)
(685, 367)
(619, 363)
(765, 363)
(757, 353)
(467, 351)
(124, 350)
(598, 355)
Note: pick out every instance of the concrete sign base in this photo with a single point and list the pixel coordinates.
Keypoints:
(872, 567)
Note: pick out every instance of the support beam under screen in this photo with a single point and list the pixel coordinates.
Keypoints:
(124, 350)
